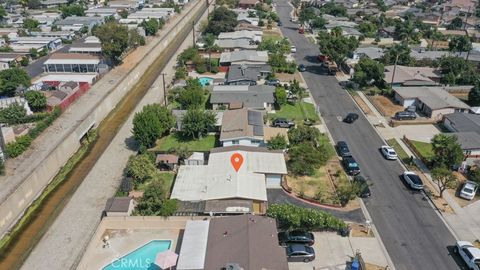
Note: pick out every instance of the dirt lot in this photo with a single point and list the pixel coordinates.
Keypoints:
(362, 105)
(385, 105)
(360, 230)
(287, 77)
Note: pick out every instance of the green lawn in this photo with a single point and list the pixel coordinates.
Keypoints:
(274, 37)
(165, 177)
(173, 140)
(297, 112)
(425, 149)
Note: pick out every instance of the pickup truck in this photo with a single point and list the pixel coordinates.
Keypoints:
(469, 253)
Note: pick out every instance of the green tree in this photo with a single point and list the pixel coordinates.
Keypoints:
(24, 62)
(152, 200)
(443, 178)
(151, 27)
(318, 22)
(278, 142)
(447, 151)
(280, 96)
(334, 9)
(135, 39)
(336, 47)
(347, 192)
(196, 123)
(2, 167)
(13, 114)
(304, 159)
(460, 44)
(458, 71)
(72, 10)
(30, 24)
(33, 53)
(36, 100)
(368, 29)
(11, 79)
(151, 123)
(181, 73)
(123, 13)
(32, 4)
(402, 51)
(474, 95)
(221, 20)
(304, 134)
(368, 71)
(192, 96)
(456, 23)
(3, 13)
(141, 168)
(306, 14)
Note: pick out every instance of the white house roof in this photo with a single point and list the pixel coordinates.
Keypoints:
(72, 58)
(240, 34)
(239, 56)
(194, 245)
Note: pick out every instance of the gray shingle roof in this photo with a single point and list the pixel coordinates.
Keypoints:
(434, 97)
(253, 96)
(246, 72)
(465, 122)
(468, 140)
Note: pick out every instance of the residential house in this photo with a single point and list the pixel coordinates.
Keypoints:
(148, 13)
(244, 39)
(119, 207)
(5, 102)
(466, 127)
(242, 127)
(72, 63)
(370, 52)
(244, 58)
(245, 18)
(8, 59)
(46, 18)
(246, 4)
(167, 161)
(75, 23)
(53, 3)
(102, 12)
(412, 76)
(65, 93)
(67, 35)
(90, 45)
(260, 97)
(234, 242)
(218, 188)
(470, 144)
(49, 43)
(434, 102)
(124, 4)
(247, 74)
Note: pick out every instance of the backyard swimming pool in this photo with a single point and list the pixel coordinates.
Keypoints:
(205, 81)
(143, 258)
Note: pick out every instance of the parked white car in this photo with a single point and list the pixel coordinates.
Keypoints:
(468, 190)
(388, 152)
(413, 180)
(469, 253)
(293, 49)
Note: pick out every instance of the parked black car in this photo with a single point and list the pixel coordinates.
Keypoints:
(364, 191)
(300, 253)
(302, 68)
(283, 123)
(351, 165)
(296, 237)
(350, 118)
(405, 115)
(342, 149)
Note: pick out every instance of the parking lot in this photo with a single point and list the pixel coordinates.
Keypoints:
(334, 252)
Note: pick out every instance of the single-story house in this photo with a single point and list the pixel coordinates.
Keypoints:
(470, 143)
(223, 190)
(67, 35)
(244, 58)
(247, 74)
(370, 52)
(462, 122)
(50, 43)
(260, 97)
(236, 35)
(102, 12)
(76, 23)
(148, 13)
(412, 76)
(247, 40)
(10, 58)
(53, 3)
(124, 4)
(245, 18)
(167, 161)
(233, 242)
(434, 102)
(242, 127)
(119, 207)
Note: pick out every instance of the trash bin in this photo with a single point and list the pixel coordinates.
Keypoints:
(345, 231)
(355, 264)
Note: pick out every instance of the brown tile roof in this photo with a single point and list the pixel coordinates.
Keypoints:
(248, 240)
(241, 123)
(167, 158)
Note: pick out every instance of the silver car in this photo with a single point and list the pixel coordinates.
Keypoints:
(413, 180)
(300, 253)
(468, 190)
(388, 152)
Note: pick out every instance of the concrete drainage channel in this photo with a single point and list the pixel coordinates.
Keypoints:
(32, 231)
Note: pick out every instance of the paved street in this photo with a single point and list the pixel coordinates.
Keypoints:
(415, 237)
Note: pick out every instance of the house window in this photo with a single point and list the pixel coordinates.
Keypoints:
(256, 141)
(235, 142)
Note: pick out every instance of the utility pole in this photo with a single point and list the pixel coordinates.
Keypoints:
(193, 32)
(394, 69)
(164, 90)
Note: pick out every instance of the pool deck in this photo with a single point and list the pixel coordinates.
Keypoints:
(129, 233)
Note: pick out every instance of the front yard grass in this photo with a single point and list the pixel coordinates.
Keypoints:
(400, 152)
(424, 149)
(165, 177)
(175, 140)
(296, 112)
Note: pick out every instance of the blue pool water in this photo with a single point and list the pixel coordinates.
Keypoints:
(205, 81)
(143, 258)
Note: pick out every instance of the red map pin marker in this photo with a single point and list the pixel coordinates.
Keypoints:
(236, 160)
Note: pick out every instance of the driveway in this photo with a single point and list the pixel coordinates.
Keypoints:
(413, 234)
(280, 196)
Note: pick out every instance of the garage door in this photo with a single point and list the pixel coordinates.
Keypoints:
(274, 181)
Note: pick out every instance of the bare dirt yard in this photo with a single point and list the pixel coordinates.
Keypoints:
(385, 105)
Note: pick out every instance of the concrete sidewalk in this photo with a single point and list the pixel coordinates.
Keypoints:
(465, 222)
(334, 252)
